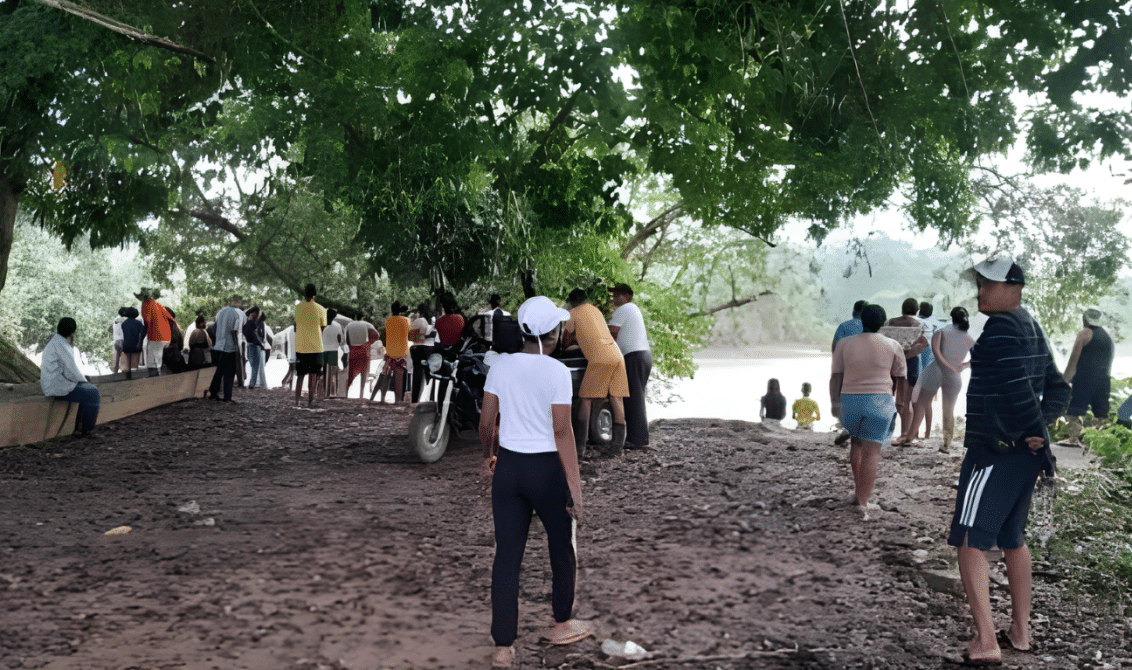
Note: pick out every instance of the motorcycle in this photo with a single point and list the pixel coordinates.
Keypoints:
(460, 373)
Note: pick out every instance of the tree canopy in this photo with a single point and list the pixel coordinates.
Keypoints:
(449, 143)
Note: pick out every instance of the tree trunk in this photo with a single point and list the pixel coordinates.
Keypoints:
(15, 368)
(9, 203)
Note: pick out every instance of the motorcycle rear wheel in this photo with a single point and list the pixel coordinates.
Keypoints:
(420, 429)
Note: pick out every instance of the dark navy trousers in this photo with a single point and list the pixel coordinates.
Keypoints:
(524, 483)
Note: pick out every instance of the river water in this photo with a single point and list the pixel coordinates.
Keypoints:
(730, 382)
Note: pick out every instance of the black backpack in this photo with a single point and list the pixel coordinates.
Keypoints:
(506, 338)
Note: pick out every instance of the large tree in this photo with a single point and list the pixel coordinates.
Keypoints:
(458, 135)
(86, 109)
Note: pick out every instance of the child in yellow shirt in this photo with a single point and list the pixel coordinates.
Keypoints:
(806, 411)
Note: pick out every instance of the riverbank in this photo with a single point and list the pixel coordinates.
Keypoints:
(266, 537)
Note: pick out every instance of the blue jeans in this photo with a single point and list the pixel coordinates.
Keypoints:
(255, 360)
(88, 399)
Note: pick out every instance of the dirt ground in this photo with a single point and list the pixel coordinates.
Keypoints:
(266, 537)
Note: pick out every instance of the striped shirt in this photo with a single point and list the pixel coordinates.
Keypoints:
(1016, 389)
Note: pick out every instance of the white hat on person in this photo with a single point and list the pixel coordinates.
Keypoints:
(1093, 317)
(539, 315)
(1001, 269)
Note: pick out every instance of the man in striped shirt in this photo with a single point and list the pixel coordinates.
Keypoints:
(1015, 391)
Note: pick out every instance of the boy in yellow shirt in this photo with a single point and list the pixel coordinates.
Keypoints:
(806, 411)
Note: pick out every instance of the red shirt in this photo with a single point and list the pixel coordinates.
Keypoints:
(157, 320)
(449, 327)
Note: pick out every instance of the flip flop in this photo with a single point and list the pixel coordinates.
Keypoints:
(979, 662)
(569, 632)
(504, 657)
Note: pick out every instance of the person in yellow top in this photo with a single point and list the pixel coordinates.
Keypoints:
(310, 319)
(806, 410)
(396, 351)
(605, 367)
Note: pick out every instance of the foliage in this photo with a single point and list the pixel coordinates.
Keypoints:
(77, 95)
(1114, 446)
(591, 262)
(1072, 249)
(47, 283)
(447, 141)
(1092, 521)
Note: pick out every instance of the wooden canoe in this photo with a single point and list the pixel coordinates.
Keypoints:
(27, 416)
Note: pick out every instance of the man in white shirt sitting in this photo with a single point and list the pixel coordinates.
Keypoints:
(60, 377)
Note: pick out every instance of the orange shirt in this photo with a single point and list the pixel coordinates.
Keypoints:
(156, 319)
(597, 343)
(397, 337)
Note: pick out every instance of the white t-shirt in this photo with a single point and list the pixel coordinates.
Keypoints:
(332, 337)
(422, 325)
(357, 333)
(527, 385)
(288, 336)
(632, 336)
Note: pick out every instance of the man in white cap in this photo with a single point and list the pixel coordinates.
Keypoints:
(1015, 391)
(536, 469)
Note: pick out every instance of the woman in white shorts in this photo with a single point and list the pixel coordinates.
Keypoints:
(950, 346)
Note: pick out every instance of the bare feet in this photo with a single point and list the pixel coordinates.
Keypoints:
(982, 653)
(1017, 638)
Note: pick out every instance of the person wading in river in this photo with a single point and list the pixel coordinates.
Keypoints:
(536, 469)
(1015, 391)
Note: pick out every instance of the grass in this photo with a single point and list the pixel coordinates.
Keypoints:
(1089, 535)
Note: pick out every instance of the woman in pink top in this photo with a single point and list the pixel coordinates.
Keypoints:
(865, 370)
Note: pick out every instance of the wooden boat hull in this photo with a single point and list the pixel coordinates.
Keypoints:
(27, 416)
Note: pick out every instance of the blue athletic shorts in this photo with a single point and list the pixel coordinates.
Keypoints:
(994, 498)
(870, 417)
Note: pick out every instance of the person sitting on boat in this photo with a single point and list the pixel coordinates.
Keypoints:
(60, 377)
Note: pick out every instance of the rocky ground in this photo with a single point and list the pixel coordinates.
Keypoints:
(267, 537)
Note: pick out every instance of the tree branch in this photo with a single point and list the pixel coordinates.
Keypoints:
(658, 223)
(124, 29)
(219, 221)
(730, 304)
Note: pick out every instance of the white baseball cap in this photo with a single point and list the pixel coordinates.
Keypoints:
(1002, 269)
(539, 315)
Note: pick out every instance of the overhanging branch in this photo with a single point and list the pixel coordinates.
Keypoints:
(730, 304)
(659, 222)
(123, 29)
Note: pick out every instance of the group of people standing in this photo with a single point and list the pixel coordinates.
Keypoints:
(1015, 392)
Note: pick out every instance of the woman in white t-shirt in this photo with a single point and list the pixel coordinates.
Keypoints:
(536, 470)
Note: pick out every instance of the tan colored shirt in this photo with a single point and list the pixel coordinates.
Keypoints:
(868, 361)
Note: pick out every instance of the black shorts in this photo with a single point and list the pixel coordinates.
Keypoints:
(308, 364)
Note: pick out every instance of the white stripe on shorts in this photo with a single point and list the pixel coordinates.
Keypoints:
(975, 487)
